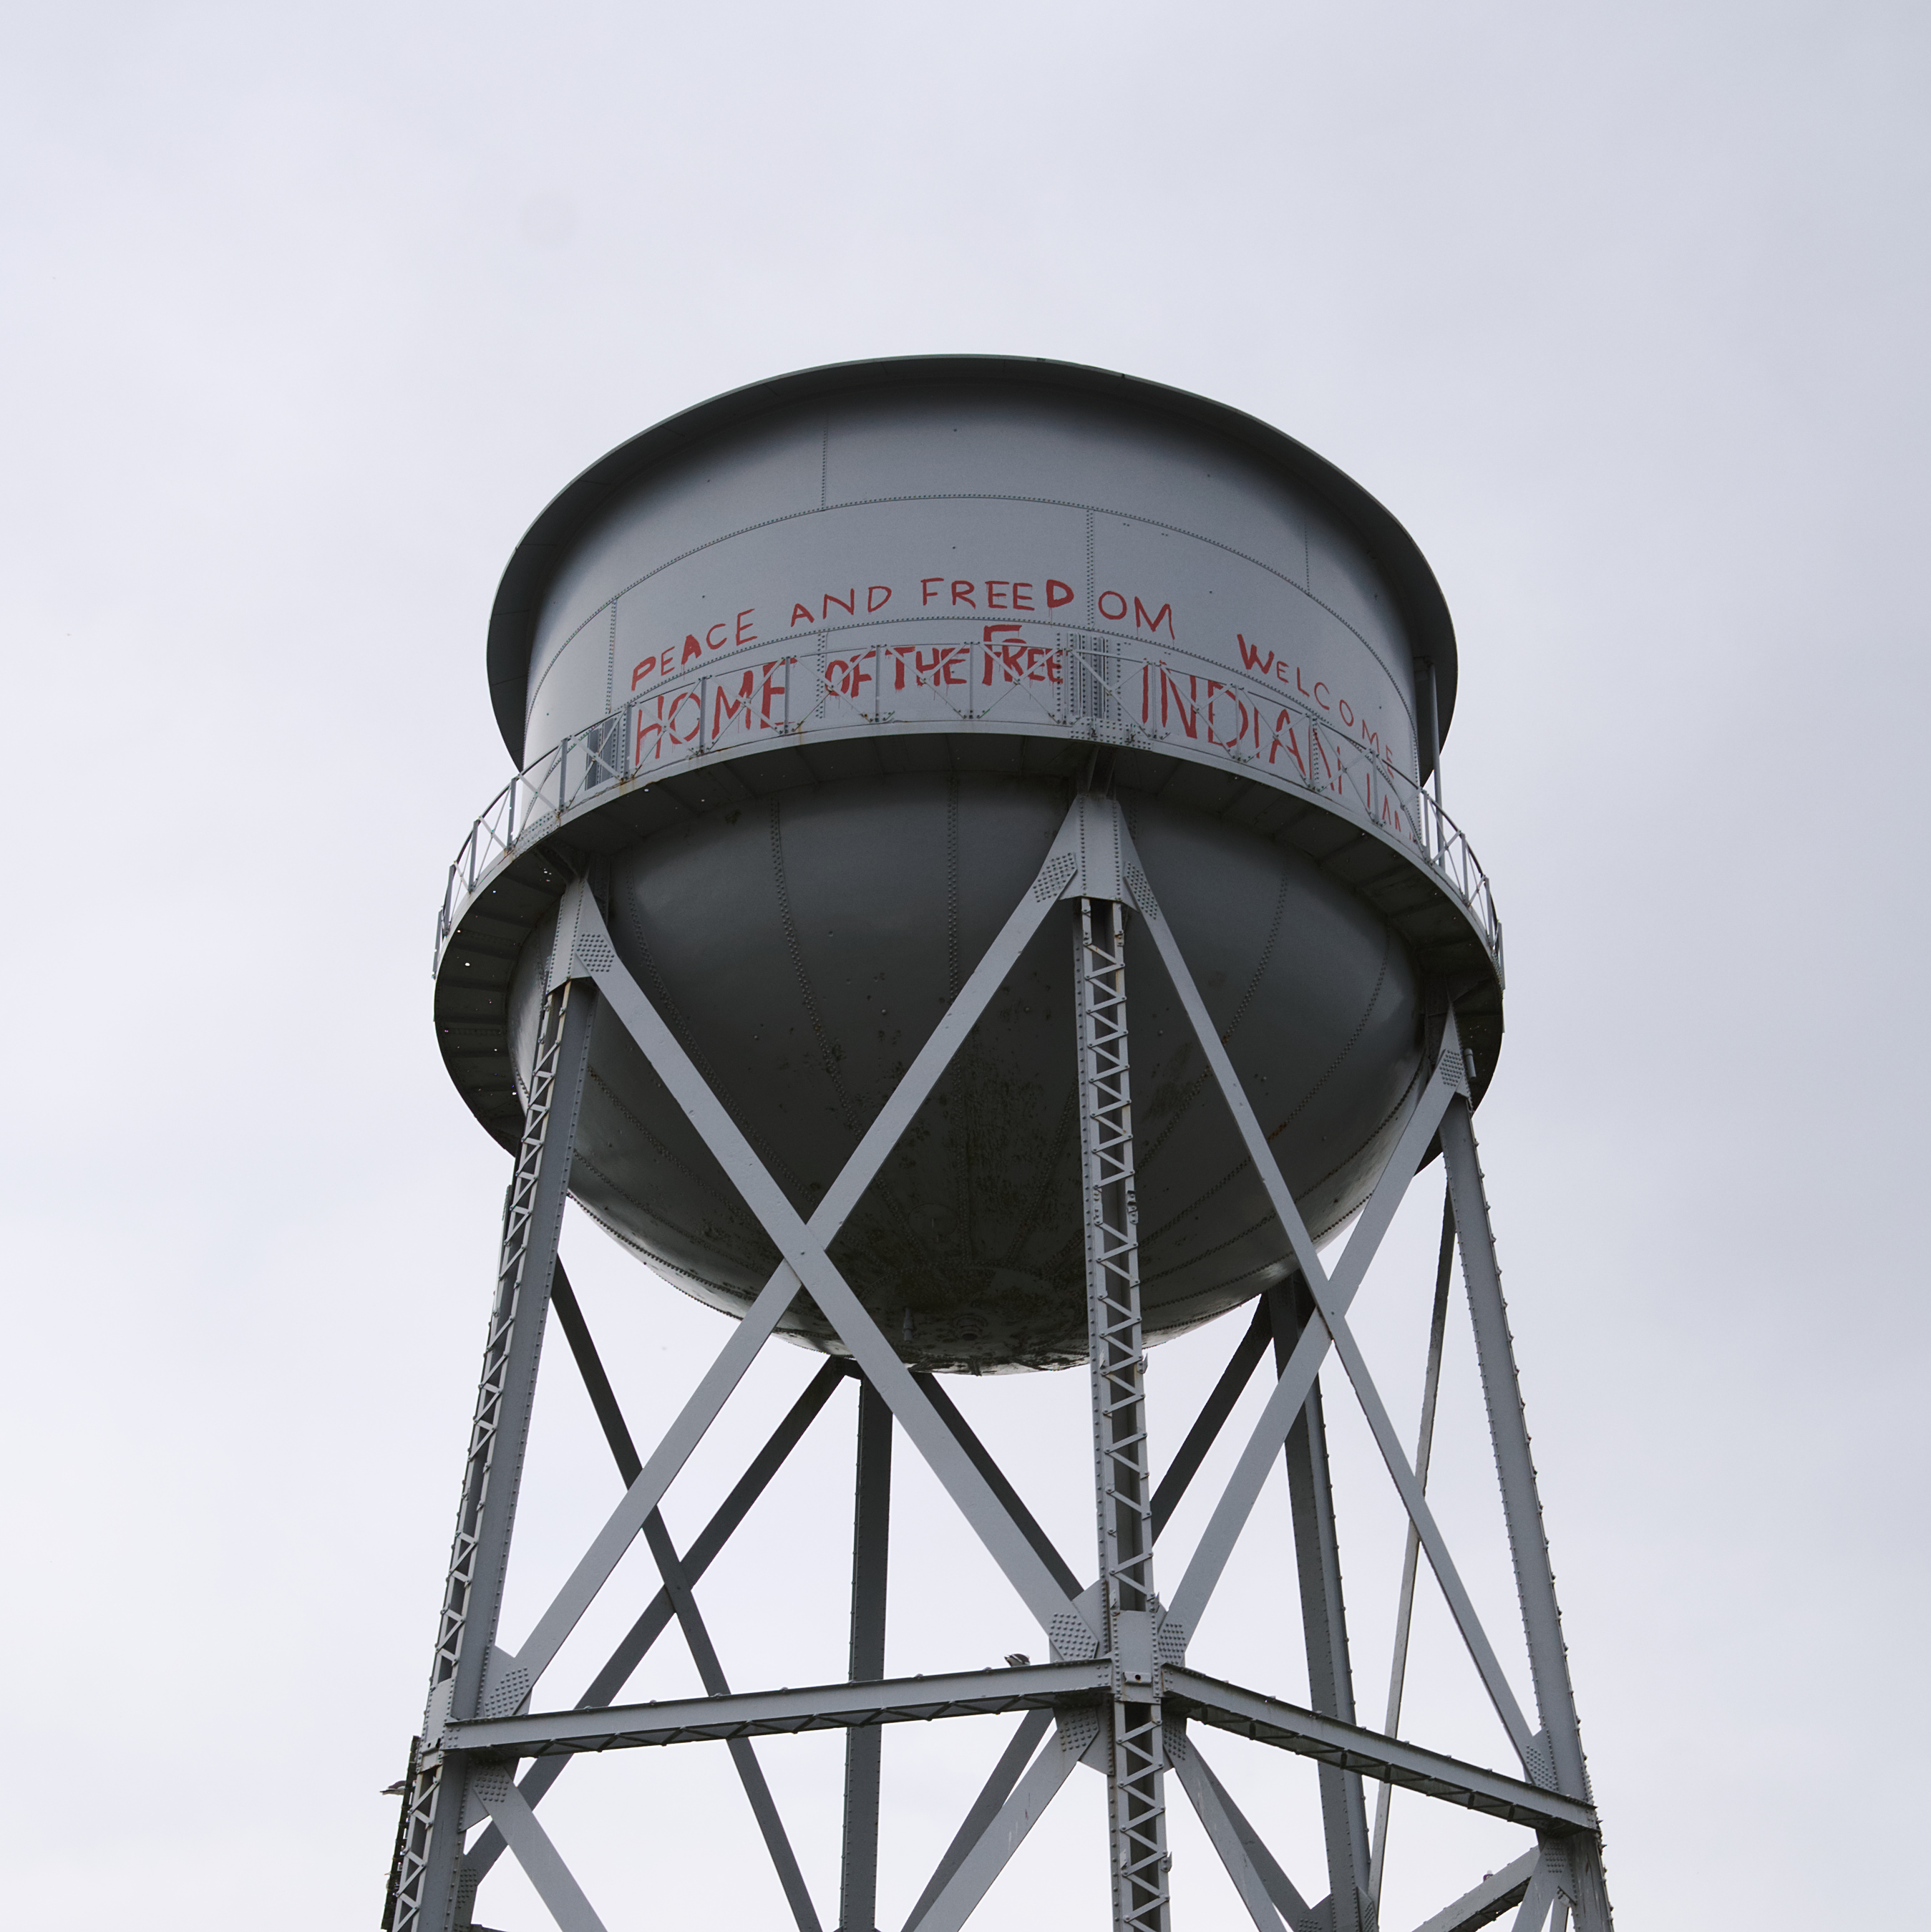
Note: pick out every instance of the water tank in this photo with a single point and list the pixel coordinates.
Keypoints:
(805, 679)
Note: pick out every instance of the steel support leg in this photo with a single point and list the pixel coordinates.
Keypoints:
(1324, 1618)
(1136, 1801)
(431, 1889)
(872, 1523)
(1521, 1504)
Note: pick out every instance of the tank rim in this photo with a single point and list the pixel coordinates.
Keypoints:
(476, 962)
(520, 595)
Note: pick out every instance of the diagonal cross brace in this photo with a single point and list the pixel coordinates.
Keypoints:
(1332, 1296)
(1290, 1394)
(1536, 1901)
(803, 1248)
(584, 949)
(608, 1683)
(1281, 1889)
(677, 1586)
(1208, 1800)
(1482, 1904)
(1213, 1414)
(997, 1788)
(1003, 1835)
(1411, 1556)
(607, 1549)
(542, 1864)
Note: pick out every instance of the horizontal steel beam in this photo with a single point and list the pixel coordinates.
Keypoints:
(1227, 1708)
(900, 1700)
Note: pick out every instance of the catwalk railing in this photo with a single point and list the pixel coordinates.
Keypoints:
(1102, 690)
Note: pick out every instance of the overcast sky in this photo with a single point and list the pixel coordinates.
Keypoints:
(308, 310)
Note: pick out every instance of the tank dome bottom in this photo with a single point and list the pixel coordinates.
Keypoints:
(803, 944)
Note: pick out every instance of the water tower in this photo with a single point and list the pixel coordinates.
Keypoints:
(976, 898)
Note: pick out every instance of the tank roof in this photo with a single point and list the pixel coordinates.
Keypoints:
(524, 582)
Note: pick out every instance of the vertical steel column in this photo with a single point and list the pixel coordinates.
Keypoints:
(871, 1523)
(1521, 1504)
(1137, 1805)
(431, 1890)
(1344, 1808)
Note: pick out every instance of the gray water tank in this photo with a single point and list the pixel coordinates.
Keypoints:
(805, 679)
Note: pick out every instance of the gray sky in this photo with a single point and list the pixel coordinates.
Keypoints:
(310, 309)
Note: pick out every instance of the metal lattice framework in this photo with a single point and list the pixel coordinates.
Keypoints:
(1117, 1694)
(472, 1592)
(1137, 1812)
